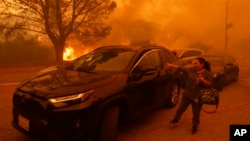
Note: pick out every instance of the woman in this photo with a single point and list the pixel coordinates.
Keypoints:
(196, 78)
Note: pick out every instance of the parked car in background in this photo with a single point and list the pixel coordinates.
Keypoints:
(87, 97)
(186, 55)
(225, 69)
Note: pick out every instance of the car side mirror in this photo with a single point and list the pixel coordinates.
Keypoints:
(144, 70)
(140, 71)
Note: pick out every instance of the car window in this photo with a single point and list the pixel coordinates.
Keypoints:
(215, 60)
(231, 59)
(191, 53)
(178, 52)
(151, 58)
(104, 60)
(197, 53)
(168, 57)
(186, 54)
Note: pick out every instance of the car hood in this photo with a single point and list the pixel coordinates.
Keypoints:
(55, 82)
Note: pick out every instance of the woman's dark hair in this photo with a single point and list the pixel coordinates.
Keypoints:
(205, 63)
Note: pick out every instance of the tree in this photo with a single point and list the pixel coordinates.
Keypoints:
(56, 18)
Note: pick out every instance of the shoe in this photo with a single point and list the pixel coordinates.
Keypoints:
(173, 123)
(194, 130)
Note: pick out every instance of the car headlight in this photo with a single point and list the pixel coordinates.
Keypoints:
(60, 102)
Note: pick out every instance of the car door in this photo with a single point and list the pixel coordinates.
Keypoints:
(170, 75)
(143, 81)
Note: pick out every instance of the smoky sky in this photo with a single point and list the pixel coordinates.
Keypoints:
(179, 23)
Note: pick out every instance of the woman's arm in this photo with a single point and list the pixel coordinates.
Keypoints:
(179, 68)
(172, 66)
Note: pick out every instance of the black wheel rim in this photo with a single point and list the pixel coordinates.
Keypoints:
(175, 94)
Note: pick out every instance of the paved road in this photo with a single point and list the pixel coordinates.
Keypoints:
(234, 109)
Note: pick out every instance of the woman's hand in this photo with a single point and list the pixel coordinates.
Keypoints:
(196, 100)
(200, 79)
(203, 80)
(172, 65)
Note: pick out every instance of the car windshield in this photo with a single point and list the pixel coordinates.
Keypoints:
(215, 60)
(114, 60)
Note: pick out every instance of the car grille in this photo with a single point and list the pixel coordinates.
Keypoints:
(27, 105)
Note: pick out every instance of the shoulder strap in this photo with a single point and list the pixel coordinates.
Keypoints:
(210, 111)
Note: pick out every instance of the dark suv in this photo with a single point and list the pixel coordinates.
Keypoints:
(86, 98)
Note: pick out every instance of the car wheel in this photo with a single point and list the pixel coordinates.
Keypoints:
(173, 92)
(109, 123)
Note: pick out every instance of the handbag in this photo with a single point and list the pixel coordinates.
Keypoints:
(209, 96)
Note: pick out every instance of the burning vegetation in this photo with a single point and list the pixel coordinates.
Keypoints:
(171, 23)
(68, 53)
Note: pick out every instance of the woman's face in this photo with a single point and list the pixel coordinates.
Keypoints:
(197, 64)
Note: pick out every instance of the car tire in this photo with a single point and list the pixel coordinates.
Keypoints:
(109, 123)
(173, 93)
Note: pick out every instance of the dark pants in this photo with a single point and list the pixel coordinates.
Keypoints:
(196, 109)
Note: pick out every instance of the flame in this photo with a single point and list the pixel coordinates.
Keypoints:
(68, 53)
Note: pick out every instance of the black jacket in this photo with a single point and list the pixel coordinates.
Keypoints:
(192, 88)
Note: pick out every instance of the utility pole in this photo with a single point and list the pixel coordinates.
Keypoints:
(226, 28)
